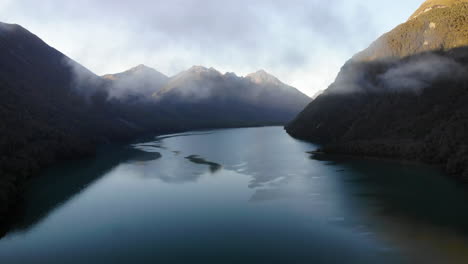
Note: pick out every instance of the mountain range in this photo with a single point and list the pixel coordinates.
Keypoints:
(404, 97)
(53, 108)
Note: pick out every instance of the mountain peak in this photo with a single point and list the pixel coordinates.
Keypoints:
(202, 69)
(198, 68)
(140, 69)
(263, 77)
(430, 5)
(5, 27)
(140, 80)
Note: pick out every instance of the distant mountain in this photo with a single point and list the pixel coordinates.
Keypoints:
(140, 81)
(436, 25)
(401, 98)
(258, 96)
(277, 93)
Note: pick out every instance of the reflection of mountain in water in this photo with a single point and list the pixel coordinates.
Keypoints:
(375, 181)
(79, 175)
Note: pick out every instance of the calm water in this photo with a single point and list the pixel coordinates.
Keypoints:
(238, 196)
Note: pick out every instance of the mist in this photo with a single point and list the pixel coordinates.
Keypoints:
(389, 75)
(417, 74)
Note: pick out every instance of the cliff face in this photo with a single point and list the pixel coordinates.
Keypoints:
(406, 100)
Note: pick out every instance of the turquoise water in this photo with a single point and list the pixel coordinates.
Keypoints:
(250, 195)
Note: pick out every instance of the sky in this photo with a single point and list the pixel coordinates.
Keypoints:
(302, 42)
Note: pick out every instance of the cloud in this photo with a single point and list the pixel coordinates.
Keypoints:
(418, 74)
(409, 75)
(287, 38)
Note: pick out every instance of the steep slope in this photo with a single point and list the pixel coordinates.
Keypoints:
(140, 81)
(434, 4)
(411, 107)
(436, 25)
(207, 95)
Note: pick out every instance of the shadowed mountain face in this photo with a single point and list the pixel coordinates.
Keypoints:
(407, 108)
(436, 25)
(52, 108)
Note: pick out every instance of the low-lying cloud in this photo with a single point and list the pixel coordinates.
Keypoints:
(418, 74)
(410, 75)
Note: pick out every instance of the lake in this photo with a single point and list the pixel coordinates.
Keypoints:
(249, 195)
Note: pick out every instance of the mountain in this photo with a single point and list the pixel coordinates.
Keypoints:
(407, 101)
(436, 25)
(276, 93)
(52, 108)
(206, 94)
(140, 81)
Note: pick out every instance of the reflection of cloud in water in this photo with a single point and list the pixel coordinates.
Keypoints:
(279, 181)
(214, 167)
(172, 171)
(260, 180)
(178, 178)
(240, 165)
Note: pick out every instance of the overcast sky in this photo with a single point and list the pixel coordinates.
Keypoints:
(302, 42)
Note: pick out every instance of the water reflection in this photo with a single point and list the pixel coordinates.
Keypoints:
(412, 206)
(67, 180)
(246, 195)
